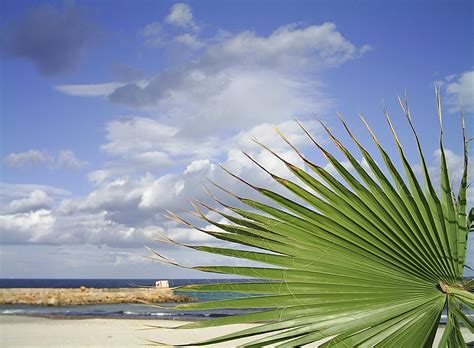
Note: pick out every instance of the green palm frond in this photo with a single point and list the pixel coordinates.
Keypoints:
(369, 261)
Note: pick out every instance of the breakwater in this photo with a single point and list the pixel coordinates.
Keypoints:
(88, 296)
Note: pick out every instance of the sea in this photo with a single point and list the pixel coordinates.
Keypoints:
(131, 311)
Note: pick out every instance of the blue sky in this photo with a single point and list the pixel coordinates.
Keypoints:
(112, 112)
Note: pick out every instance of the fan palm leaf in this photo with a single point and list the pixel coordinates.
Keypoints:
(368, 261)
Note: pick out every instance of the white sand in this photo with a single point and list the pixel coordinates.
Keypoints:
(18, 331)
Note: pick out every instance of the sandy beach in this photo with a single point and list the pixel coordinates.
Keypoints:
(19, 331)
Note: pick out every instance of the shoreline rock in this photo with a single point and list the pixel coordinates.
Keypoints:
(88, 296)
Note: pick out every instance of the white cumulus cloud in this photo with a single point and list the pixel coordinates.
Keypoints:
(29, 227)
(182, 16)
(128, 210)
(460, 88)
(289, 47)
(36, 200)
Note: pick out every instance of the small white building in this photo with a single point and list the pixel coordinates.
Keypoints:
(162, 284)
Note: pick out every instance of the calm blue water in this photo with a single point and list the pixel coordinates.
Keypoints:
(121, 310)
(126, 310)
(102, 283)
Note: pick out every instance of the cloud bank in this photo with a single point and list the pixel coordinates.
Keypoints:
(127, 210)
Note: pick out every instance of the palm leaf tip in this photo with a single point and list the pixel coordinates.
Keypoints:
(365, 262)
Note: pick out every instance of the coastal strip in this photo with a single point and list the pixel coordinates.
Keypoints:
(88, 296)
(36, 332)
